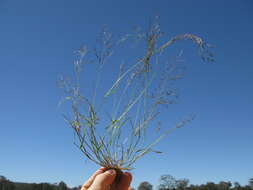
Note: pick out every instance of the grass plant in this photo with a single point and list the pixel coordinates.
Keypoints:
(112, 126)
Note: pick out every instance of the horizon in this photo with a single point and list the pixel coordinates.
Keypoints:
(38, 41)
(135, 187)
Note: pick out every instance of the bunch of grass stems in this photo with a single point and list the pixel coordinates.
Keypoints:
(111, 146)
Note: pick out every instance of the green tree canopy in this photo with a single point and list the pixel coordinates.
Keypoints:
(145, 186)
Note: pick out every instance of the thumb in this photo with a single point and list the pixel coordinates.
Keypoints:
(103, 180)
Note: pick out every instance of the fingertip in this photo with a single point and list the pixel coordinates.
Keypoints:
(128, 176)
(111, 172)
(125, 181)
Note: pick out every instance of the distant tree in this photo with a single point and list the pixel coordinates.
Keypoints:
(76, 188)
(5, 184)
(246, 187)
(2, 178)
(193, 187)
(223, 185)
(210, 186)
(22, 186)
(47, 186)
(33, 186)
(62, 186)
(167, 182)
(237, 185)
(182, 184)
(39, 186)
(145, 186)
(251, 183)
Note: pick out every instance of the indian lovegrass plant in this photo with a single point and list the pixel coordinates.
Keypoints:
(112, 121)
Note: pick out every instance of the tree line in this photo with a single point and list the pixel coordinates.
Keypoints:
(6, 184)
(167, 182)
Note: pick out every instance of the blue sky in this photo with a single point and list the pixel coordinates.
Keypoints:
(37, 41)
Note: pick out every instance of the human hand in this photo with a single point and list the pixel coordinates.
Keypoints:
(103, 178)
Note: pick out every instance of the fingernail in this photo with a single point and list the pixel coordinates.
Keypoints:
(112, 172)
(127, 173)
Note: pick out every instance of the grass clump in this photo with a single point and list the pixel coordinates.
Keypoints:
(112, 124)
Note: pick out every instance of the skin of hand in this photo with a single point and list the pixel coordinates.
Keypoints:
(102, 178)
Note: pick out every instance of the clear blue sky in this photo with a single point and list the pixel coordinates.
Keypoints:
(37, 41)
